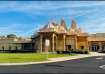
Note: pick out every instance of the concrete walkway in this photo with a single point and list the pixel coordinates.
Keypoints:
(78, 56)
(92, 54)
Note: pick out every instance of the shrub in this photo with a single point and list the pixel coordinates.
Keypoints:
(79, 51)
(72, 50)
(63, 52)
(85, 51)
(58, 52)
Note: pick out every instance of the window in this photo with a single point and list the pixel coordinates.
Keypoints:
(16, 47)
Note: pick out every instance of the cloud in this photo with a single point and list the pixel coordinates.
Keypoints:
(94, 26)
(47, 7)
(29, 32)
(14, 28)
(92, 11)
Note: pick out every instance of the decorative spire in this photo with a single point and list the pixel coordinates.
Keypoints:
(63, 23)
(51, 23)
(73, 24)
(73, 28)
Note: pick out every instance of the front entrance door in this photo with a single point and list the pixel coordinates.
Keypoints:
(95, 48)
(68, 47)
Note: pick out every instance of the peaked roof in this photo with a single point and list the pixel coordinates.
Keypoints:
(73, 24)
(63, 23)
(52, 26)
(73, 28)
(61, 29)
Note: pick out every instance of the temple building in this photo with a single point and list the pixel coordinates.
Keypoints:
(55, 37)
(63, 39)
(60, 38)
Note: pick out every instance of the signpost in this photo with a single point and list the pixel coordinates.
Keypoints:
(47, 43)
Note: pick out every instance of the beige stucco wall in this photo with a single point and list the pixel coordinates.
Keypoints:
(37, 44)
(60, 45)
(82, 41)
(70, 41)
(8, 45)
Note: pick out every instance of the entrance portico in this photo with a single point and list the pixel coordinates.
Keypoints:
(52, 42)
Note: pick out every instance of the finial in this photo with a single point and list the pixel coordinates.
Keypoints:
(53, 19)
(62, 18)
(71, 18)
(79, 30)
(73, 24)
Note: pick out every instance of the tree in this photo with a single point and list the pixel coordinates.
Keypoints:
(11, 36)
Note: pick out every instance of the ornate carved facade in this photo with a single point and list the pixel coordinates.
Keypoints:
(63, 39)
(60, 38)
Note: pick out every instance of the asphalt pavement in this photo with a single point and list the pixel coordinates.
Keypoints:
(83, 65)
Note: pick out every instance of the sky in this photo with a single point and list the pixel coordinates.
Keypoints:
(24, 18)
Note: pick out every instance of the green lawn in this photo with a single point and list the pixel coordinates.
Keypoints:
(27, 57)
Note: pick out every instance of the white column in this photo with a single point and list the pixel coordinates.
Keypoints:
(100, 46)
(75, 42)
(87, 45)
(56, 42)
(53, 42)
(40, 43)
(64, 42)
